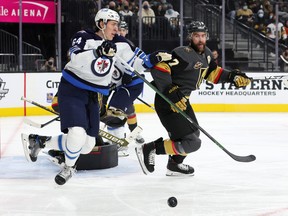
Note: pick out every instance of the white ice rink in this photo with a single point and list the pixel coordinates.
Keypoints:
(220, 186)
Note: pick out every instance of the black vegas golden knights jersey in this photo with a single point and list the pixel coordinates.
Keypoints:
(188, 69)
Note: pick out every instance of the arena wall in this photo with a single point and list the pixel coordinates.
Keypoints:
(261, 96)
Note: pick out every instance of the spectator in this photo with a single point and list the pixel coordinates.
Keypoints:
(283, 65)
(49, 65)
(172, 16)
(125, 11)
(259, 22)
(148, 15)
(216, 57)
(267, 7)
(245, 15)
(113, 6)
(160, 11)
(272, 30)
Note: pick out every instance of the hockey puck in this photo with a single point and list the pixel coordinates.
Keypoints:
(172, 202)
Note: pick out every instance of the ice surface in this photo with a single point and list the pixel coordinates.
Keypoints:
(220, 186)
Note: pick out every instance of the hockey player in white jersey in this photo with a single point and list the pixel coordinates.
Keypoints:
(86, 76)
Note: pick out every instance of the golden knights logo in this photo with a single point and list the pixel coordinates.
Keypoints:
(198, 65)
(3, 91)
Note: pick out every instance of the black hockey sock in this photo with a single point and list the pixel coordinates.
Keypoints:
(159, 145)
(132, 126)
(178, 158)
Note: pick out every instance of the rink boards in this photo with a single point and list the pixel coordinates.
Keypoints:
(260, 96)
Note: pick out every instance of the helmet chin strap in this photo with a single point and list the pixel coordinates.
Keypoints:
(102, 30)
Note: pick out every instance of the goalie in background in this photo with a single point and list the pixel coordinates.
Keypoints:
(127, 89)
(176, 79)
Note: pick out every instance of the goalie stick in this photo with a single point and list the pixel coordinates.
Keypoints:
(238, 158)
(102, 133)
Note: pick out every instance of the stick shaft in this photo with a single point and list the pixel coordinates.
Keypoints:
(144, 102)
(235, 157)
(39, 105)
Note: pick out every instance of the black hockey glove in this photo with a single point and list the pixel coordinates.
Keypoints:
(107, 49)
(126, 79)
(156, 57)
(177, 97)
(54, 104)
(239, 78)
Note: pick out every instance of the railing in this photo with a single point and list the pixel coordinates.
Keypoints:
(9, 53)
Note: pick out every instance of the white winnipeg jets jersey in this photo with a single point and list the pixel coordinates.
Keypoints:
(88, 71)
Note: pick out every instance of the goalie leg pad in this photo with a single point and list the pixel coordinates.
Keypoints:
(101, 157)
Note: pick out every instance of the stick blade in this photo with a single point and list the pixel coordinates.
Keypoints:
(244, 159)
(31, 123)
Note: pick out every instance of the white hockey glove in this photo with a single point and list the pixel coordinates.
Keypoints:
(156, 57)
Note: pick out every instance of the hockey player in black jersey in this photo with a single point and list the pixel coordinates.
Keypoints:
(176, 79)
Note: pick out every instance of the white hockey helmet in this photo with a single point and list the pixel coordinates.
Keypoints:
(106, 14)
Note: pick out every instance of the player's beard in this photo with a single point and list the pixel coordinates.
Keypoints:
(199, 48)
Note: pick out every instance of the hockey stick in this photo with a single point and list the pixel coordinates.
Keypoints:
(39, 105)
(104, 134)
(248, 158)
(144, 102)
(38, 125)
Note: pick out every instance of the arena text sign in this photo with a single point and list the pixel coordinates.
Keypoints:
(32, 12)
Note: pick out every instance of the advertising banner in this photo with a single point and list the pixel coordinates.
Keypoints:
(262, 95)
(32, 11)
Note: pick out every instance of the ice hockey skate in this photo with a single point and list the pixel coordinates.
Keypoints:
(32, 144)
(123, 151)
(174, 169)
(146, 157)
(66, 173)
(56, 157)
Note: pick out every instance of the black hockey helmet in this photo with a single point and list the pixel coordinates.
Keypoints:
(197, 26)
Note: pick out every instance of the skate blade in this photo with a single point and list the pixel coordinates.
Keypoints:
(139, 154)
(123, 154)
(177, 174)
(25, 143)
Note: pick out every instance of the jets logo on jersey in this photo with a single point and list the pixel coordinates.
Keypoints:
(101, 67)
(117, 75)
(198, 65)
